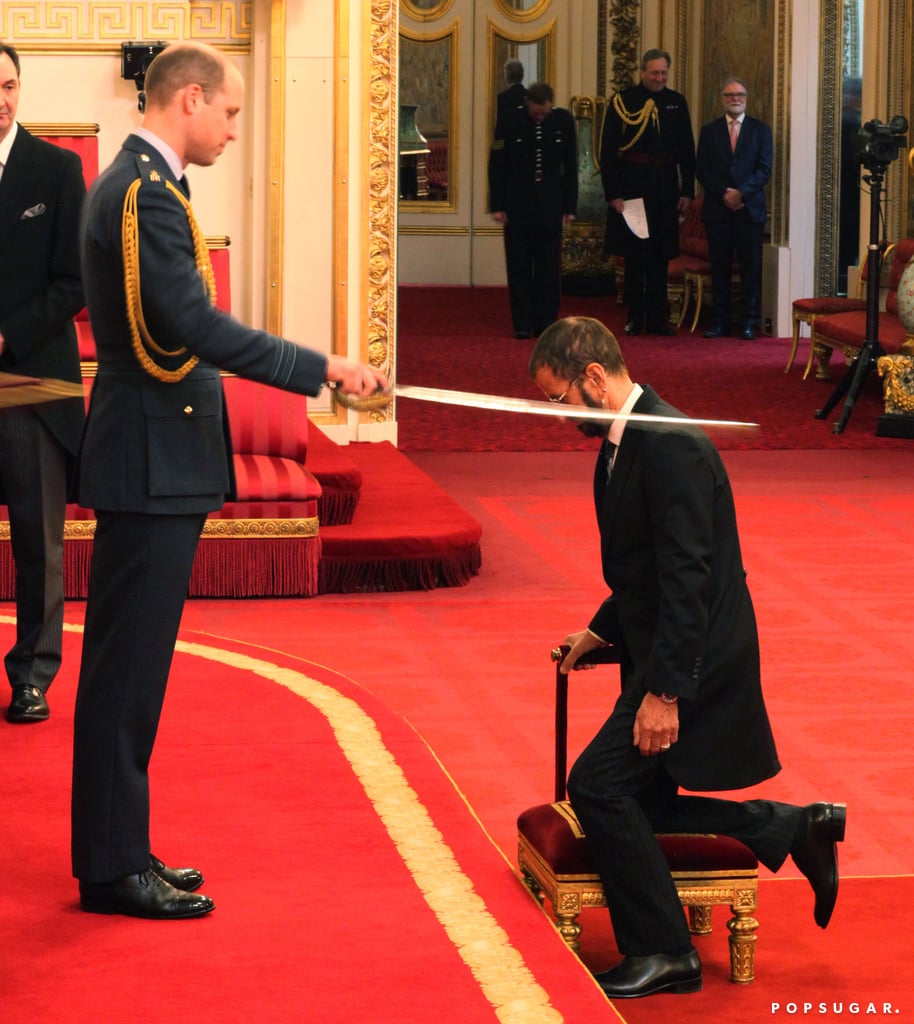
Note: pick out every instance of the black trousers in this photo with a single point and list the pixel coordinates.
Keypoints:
(740, 237)
(138, 581)
(33, 471)
(533, 261)
(622, 799)
(645, 282)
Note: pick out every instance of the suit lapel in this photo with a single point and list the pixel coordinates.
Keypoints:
(18, 181)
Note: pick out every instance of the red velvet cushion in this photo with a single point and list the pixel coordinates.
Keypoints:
(553, 830)
(269, 478)
(828, 305)
(850, 329)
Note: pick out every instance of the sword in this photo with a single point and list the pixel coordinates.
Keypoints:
(502, 403)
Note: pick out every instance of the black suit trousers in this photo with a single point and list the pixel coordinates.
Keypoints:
(33, 471)
(138, 581)
(622, 799)
(739, 236)
(645, 282)
(533, 261)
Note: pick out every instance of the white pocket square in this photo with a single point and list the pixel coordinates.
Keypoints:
(34, 211)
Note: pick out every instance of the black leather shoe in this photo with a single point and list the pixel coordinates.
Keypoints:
(718, 331)
(634, 325)
(748, 334)
(28, 704)
(185, 879)
(142, 895)
(662, 327)
(817, 855)
(646, 975)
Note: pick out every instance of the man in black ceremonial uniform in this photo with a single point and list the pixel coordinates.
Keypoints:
(533, 192)
(647, 152)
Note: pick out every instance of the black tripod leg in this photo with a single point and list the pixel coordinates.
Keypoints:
(865, 362)
(839, 392)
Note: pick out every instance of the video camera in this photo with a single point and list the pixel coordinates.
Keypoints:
(878, 144)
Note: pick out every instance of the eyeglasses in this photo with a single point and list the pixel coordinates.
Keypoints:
(561, 398)
(733, 95)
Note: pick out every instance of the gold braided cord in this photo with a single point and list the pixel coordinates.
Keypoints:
(639, 120)
(141, 339)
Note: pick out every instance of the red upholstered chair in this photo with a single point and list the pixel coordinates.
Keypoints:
(846, 331)
(555, 862)
(806, 310)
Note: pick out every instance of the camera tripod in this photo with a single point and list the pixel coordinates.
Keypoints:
(859, 369)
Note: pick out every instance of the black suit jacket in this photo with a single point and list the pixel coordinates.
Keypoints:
(41, 196)
(149, 446)
(748, 168)
(680, 610)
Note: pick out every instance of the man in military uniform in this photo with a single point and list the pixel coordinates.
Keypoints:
(647, 152)
(155, 460)
(533, 192)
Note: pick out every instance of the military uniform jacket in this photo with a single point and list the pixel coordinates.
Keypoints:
(41, 196)
(533, 169)
(656, 164)
(150, 446)
(680, 610)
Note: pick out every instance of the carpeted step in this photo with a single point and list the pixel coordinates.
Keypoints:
(406, 534)
(340, 478)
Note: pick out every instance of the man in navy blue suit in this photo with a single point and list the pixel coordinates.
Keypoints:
(733, 164)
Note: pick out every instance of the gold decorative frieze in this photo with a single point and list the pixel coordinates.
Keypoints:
(74, 25)
(60, 129)
(214, 529)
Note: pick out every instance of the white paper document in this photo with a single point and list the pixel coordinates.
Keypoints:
(636, 217)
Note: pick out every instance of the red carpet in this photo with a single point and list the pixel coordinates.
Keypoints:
(460, 338)
(351, 880)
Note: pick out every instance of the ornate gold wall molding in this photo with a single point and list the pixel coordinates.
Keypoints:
(381, 64)
(780, 128)
(74, 25)
(626, 39)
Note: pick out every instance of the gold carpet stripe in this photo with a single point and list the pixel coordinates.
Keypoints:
(499, 969)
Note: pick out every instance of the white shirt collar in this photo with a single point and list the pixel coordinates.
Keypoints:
(738, 119)
(615, 430)
(7, 144)
(168, 154)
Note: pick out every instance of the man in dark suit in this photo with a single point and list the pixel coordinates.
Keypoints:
(647, 152)
(533, 193)
(691, 712)
(155, 460)
(41, 196)
(733, 164)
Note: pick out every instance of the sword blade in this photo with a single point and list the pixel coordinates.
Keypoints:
(502, 403)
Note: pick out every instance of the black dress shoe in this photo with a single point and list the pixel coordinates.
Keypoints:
(817, 855)
(28, 704)
(645, 975)
(748, 334)
(634, 325)
(142, 895)
(185, 879)
(523, 334)
(718, 331)
(662, 327)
